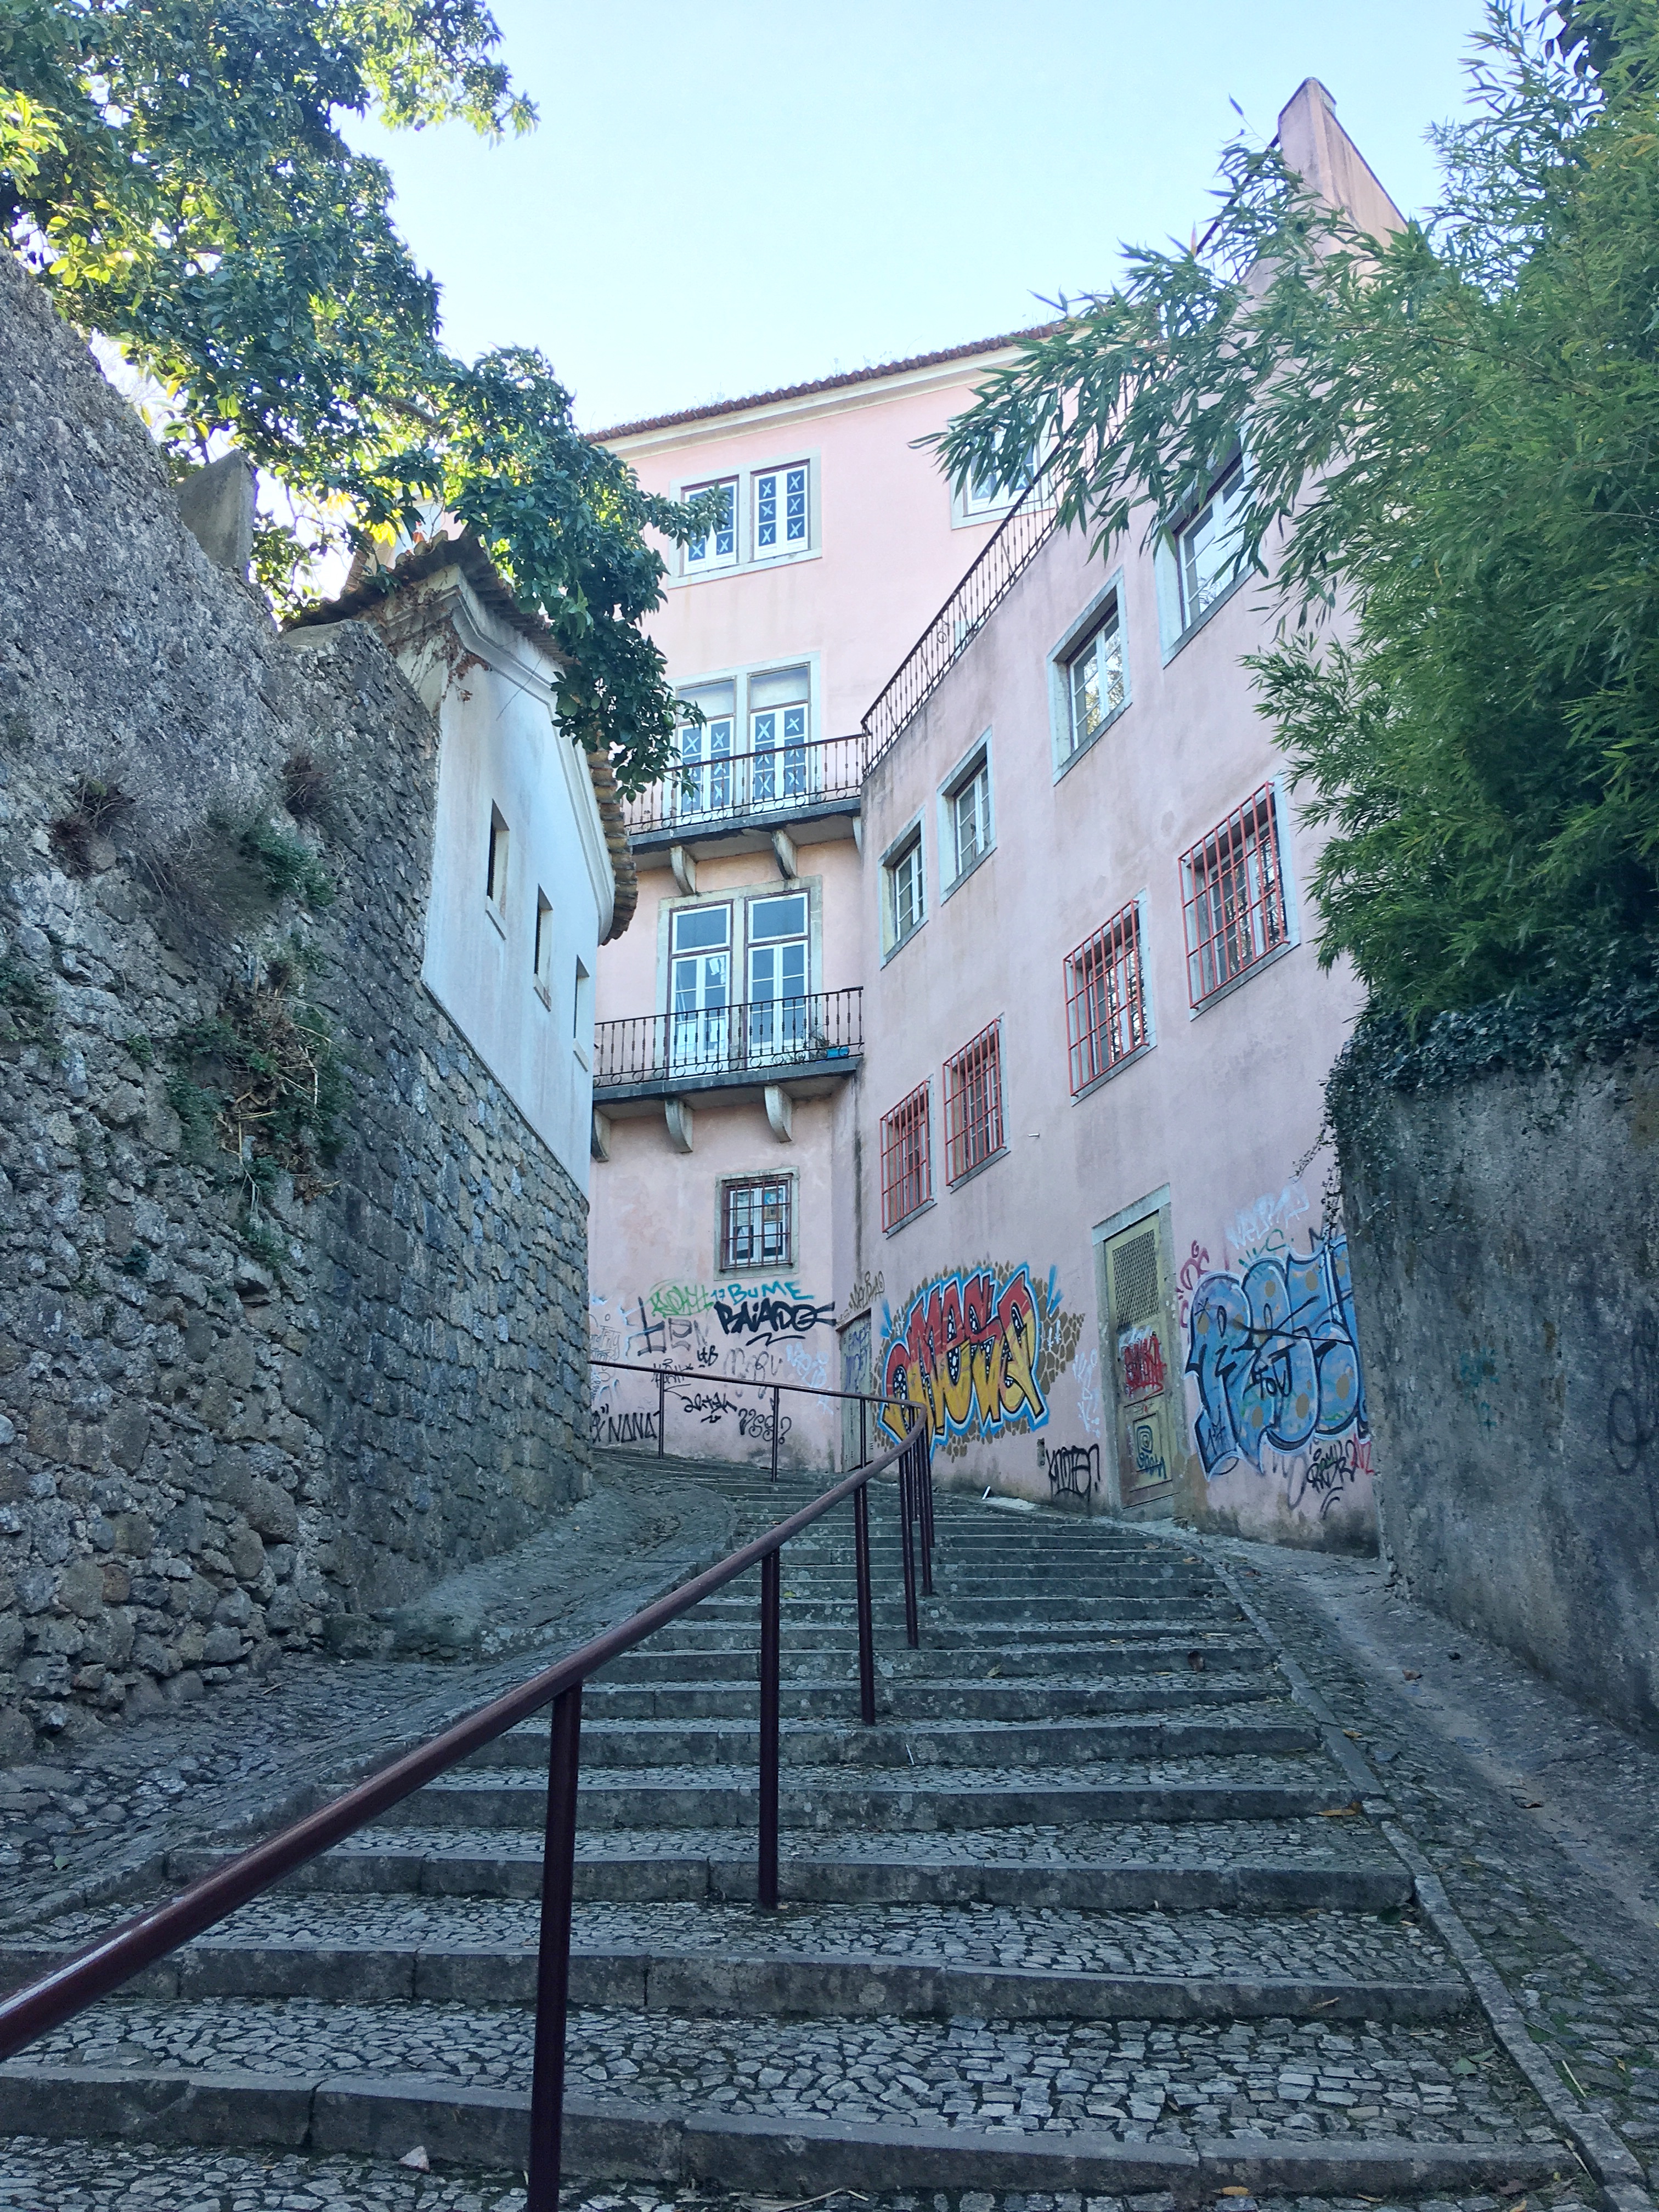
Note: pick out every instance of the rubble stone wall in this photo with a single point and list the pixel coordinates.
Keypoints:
(235, 1414)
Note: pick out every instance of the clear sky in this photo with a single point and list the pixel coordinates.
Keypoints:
(727, 195)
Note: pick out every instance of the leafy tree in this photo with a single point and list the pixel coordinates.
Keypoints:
(1453, 436)
(175, 171)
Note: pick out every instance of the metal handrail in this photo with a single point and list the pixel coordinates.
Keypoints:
(113, 1959)
(696, 794)
(752, 1036)
(1003, 558)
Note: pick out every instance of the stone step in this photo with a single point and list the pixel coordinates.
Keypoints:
(1245, 1866)
(1043, 1608)
(707, 1657)
(939, 1699)
(1306, 2105)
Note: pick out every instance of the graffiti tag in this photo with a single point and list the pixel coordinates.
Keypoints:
(1073, 1470)
(609, 1428)
(1275, 1356)
(1192, 1274)
(967, 1352)
(708, 1405)
(1142, 1356)
(1325, 1472)
(771, 1317)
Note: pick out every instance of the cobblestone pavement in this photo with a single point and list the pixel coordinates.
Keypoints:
(1028, 1855)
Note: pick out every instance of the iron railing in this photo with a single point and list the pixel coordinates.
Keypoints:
(1020, 537)
(758, 1039)
(765, 784)
(113, 1959)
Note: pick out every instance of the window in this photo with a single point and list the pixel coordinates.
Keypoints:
(1106, 999)
(778, 724)
(495, 866)
(1232, 888)
(781, 511)
(1207, 545)
(1094, 687)
(700, 987)
(543, 959)
(704, 784)
(902, 889)
(973, 1104)
(777, 978)
(757, 1223)
(907, 1167)
(968, 814)
(581, 1010)
(716, 547)
(987, 493)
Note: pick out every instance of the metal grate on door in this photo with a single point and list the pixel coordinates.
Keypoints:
(1134, 1279)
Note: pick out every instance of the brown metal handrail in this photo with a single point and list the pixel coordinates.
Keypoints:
(768, 783)
(1003, 558)
(113, 1959)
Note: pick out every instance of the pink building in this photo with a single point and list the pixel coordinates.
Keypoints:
(968, 1044)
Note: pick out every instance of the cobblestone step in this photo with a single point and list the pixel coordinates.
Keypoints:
(710, 1656)
(940, 1698)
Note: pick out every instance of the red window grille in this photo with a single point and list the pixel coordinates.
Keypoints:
(906, 1165)
(1105, 998)
(1232, 887)
(973, 1103)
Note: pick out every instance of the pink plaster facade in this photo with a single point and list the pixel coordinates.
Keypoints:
(1123, 1288)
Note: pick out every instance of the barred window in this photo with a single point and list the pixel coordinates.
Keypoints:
(907, 1167)
(1106, 998)
(1233, 890)
(973, 1103)
(757, 1222)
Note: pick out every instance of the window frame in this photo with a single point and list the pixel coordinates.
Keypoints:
(910, 838)
(747, 554)
(781, 1179)
(1266, 798)
(972, 769)
(1110, 599)
(1086, 1069)
(984, 1048)
(715, 564)
(917, 1108)
(1177, 629)
(541, 958)
(767, 554)
(498, 867)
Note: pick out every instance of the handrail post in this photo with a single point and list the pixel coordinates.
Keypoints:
(866, 1631)
(775, 1432)
(662, 1409)
(553, 1962)
(908, 1544)
(766, 1878)
(864, 1434)
(925, 1504)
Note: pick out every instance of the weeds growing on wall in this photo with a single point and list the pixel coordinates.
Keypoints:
(288, 867)
(29, 1011)
(95, 808)
(308, 786)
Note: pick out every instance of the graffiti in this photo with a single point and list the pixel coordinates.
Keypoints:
(674, 1301)
(1088, 1391)
(1142, 1355)
(1275, 1356)
(610, 1428)
(769, 1317)
(1633, 1412)
(756, 1421)
(1073, 1470)
(709, 1406)
(1474, 1370)
(1193, 1268)
(1150, 1464)
(810, 1369)
(969, 1351)
(864, 1292)
(1269, 1226)
(1323, 1474)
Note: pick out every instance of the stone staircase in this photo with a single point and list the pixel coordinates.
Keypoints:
(1091, 1908)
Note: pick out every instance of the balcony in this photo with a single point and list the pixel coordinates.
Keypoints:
(808, 1044)
(749, 797)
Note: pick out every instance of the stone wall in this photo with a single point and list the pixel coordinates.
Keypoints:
(243, 1405)
(1504, 1236)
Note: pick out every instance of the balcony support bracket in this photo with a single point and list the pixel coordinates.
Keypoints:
(783, 846)
(599, 1142)
(684, 869)
(780, 1112)
(676, 1112)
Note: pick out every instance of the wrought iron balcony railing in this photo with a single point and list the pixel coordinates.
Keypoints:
(768, 783)
(1023, 533)
(756, 1040)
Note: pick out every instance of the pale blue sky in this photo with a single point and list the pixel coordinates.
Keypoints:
(729, 196)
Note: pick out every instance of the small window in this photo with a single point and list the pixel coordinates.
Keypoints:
(778, 729)
(495, 866)
(973, 1104)
(716, 547)
(968, 815)
(1233, 890)
(987, 493)
(1106, 999)
(902, 891)
(581, 1010)
(781, 517)
(1207, 545)
(1094, 682)
(907, 1167)
(543, 963)
(704, 785)
(757, 1223)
